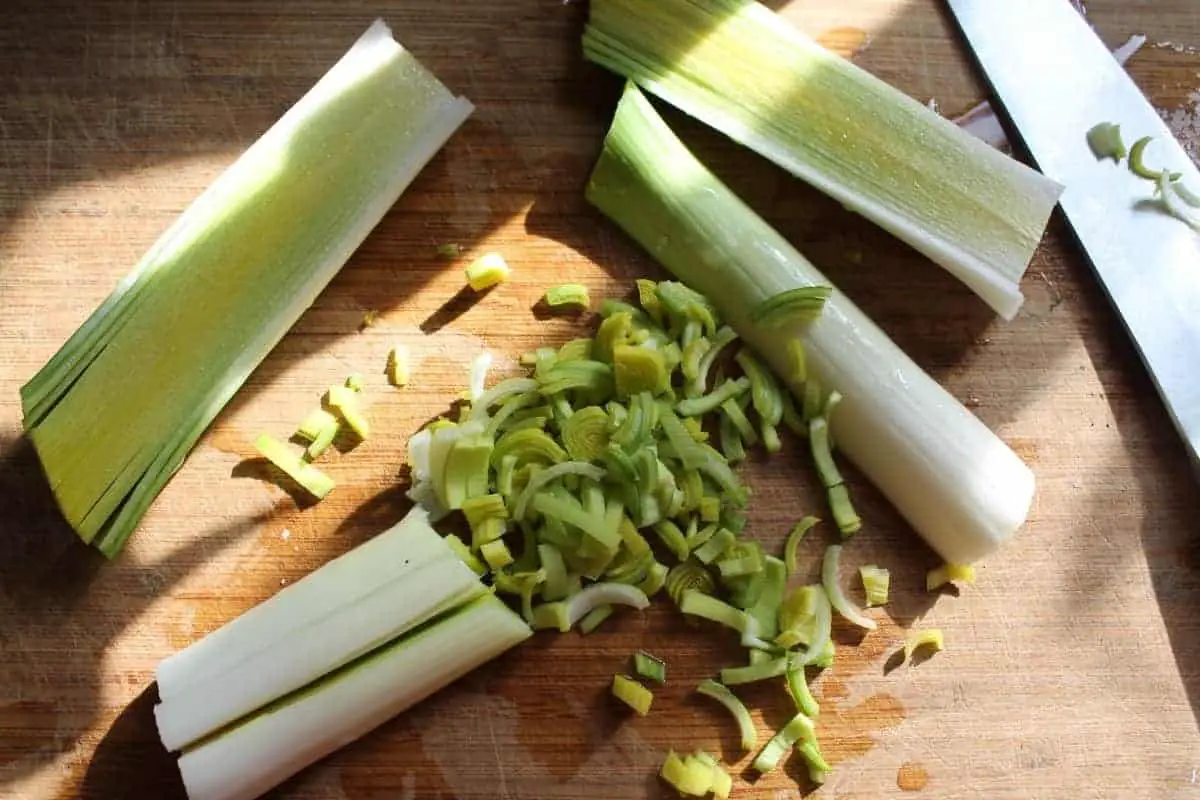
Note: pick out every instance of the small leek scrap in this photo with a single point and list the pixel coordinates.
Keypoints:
(487, 271)
(800, 728)
(650, 667)
(632, 694)
(696, 775)
(319, 429)
(722, 694)
(958, 485)
(315, 482)
(114, 413)
(344, 401)
(833, 589)
(398, 366)
(737, 66)
(568, 294)
(930, 638)
(326, 660)
(1105, 141)
(791, 548)
(949, 573)
(875, 582)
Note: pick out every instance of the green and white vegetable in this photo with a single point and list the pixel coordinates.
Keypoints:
(114, 413)
(268, 748)
(738, 67)
(959, 486)
(372, 594)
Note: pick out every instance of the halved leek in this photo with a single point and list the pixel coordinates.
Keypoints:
(738, 67)
(274, 744)
(372, 594)
(114, 413)
(959, 486)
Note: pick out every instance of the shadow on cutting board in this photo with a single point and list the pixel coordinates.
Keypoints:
(1168, 502)
(130, 761)
(57, 589)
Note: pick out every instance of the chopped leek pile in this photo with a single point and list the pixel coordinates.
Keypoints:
(114, 413)
(592, 485)
(579, 471)
(736, 66)
(326, 660)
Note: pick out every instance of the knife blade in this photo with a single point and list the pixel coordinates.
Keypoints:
(1055, 80)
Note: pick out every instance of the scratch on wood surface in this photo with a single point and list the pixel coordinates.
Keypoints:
(49, 146)
(499, 757)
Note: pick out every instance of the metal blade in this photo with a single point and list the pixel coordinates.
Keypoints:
(1056, 80)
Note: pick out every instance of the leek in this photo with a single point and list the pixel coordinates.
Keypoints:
(328, 619)
(650, 667)
(959, 486)
(632, 694)
(593, 618)
(791, 547)
(773, 668)
(797, 682)
(736, 66)
(875, 582)
(800, 728)
(721, 693)
(266, 749)
(568, 294)
(931, 638)
(487, 271)
(689, 777)
(315, 482)
(344, 401)
(833, 589)
(1105, 141)
(114, 413)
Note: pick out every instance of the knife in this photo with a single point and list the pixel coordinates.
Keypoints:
(1055, 80)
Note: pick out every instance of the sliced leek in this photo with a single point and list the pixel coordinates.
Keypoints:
(738, 67)
(722, 694)
(568, 294)
(931, 638)
(114, 413)
(959, 486)
(632, 694)
(833, 589)
(315, 482)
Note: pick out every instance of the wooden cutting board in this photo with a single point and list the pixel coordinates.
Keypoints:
(1073, 667)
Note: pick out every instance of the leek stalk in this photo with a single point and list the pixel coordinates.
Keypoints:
(114, 413)
(376, 592)
(958, 485)
(735, 65)
(263, 751)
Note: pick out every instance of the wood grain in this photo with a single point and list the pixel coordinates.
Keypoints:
(1073, 667)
